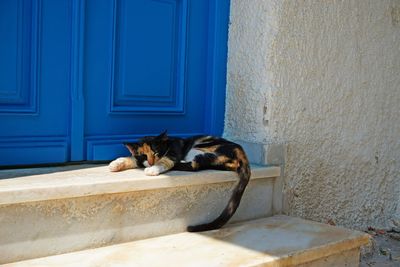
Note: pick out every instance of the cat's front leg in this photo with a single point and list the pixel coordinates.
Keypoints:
(161, 166)
(123, 163)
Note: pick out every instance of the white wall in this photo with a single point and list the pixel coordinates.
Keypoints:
(324, 78)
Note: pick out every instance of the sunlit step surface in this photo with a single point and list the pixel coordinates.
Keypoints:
(274, 241)
(38, 184)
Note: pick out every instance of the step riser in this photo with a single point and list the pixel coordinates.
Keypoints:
(42, 228)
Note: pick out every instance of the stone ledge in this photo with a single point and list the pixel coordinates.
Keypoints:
(37, 184)
(264, 153)
(274, 241)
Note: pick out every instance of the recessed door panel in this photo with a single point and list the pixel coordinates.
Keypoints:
(34, 81)
(148, 56)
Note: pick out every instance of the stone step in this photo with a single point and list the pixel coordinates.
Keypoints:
(49, 211)
(274, 241)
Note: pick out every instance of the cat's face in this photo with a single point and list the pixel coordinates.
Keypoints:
(151, 147)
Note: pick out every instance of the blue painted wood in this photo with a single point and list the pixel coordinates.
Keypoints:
(138, 105)
(77, 120)
(33, 150)
(78, 77)
(217, 64)
(18, 53)
(148, 60)
(42, 52)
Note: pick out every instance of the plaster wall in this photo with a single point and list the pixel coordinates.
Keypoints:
(322, 77)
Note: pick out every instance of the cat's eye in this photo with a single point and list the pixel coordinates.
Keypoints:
(156, 154)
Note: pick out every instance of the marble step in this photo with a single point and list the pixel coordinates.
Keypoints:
(49, 211)
(274, 241)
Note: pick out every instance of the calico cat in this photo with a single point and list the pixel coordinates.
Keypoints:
(159, 154)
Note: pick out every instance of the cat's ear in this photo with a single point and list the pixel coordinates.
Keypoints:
(163, 136)
(132, 147)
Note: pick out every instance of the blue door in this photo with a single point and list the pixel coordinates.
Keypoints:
(78, 78)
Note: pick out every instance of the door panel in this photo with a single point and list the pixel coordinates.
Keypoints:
(148, 56)
(34, 81)
(146, 71)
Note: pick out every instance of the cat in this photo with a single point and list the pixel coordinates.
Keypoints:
(159, 154)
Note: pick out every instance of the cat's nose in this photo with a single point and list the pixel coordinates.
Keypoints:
(150, 161)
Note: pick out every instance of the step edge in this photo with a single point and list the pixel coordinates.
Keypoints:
(123, 185)
(318, 252)
(304, 256)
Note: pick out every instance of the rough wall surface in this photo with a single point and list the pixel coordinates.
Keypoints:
(324, 78)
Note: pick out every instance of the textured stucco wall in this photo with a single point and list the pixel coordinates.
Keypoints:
(324, 78)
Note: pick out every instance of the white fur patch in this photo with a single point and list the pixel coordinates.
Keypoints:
(146, 163)
(154, 170)
(192, 154)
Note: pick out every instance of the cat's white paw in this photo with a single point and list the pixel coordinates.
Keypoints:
(117, 165)
(153, 170)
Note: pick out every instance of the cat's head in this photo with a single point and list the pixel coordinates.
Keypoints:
(152, 147)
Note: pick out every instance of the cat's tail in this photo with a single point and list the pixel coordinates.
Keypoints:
(244, 173)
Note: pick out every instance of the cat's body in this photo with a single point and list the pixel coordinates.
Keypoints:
(161, 153)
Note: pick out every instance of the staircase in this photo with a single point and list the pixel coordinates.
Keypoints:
(86, 216)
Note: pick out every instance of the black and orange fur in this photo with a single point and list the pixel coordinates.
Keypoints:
(162, 153)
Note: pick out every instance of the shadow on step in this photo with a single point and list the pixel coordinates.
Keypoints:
(8, 172)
